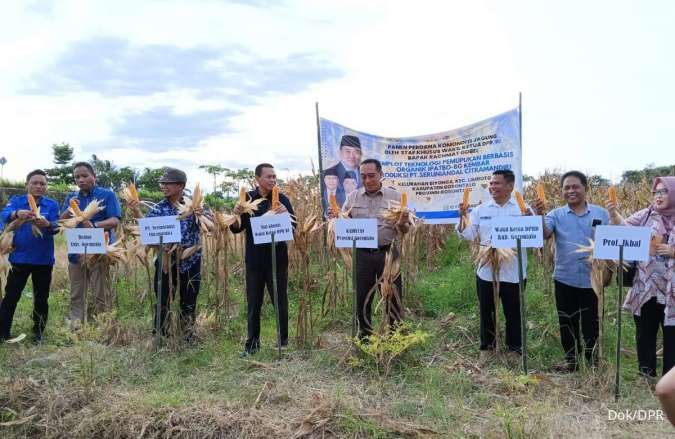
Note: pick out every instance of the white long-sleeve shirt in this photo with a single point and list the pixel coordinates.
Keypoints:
(481, 227)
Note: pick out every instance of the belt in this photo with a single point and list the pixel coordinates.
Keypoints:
(384, 248)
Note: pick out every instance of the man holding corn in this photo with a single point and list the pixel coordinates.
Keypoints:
(577, 304)
(371, 201)
(259, 257)
(107, 218)
(35, 216)
(185, 274)
(478, 227)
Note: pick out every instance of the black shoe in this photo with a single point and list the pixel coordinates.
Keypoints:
(37, 339)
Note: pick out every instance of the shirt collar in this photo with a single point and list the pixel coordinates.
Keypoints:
(568, 209)
(93, 190)
(362, 191)
(493, 203)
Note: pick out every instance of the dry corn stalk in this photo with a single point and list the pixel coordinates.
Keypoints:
(80, 216)
(344, 253)
(304, 232)
(390, 296)
(397, 209)
(114, 253)
(191, 206)
(464, 220)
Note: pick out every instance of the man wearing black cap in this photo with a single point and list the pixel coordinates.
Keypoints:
(184, 273)
(350, 158)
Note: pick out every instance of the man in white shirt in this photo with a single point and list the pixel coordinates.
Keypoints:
(480, 227)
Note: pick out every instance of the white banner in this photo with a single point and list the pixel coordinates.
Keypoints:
(263, 226)
(635, 241)
(361, 230)
(507, 229)
(91, 239)
(168, 227)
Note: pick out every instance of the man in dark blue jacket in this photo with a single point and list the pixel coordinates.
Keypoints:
(33, 253)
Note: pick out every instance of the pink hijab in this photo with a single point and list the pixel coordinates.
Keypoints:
(667, 214)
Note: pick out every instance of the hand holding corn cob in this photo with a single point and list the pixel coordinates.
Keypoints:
(612, 206)
(521, 203)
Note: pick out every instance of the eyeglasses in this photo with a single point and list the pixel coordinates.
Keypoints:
(660, 193)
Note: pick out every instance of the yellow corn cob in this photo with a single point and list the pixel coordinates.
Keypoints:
(74, 205)
(521, 202)
(133, 191)
(242, 194)
(541, 194)
(611, 192)
(33, 205)
(106, 235)
(275, 197)
(465, 198)
(332, 201)
(404, 200)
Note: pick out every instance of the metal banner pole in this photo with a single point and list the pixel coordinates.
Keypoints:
(85, 282)
(160, 275)
(617, 378)
(521, 292)
(354, 306)
(274, 291)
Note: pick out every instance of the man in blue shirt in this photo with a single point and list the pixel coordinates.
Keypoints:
(573, 225)
(107, 219)
(32, 256)
(186, 272)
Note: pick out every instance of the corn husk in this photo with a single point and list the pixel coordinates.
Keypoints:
(6, 247)
(541, 193)
(79, 216)
(332, 204)
(189, 208)
(521, 202)
(114, 253)
(246, 205)
(36, 211)
(390, 296)
(465, 198)
(394, 213)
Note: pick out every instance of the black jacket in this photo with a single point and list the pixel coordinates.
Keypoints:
(259, 257)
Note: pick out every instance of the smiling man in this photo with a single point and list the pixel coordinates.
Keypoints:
(107, 219)
(573, 225)
(501, 204)
(350, 159)
(33, 254)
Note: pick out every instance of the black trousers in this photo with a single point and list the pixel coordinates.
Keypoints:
(577, 306)
(646, 329)
(256, 280)
(369, 267)
(187, 283)
(508, 293)
(16, 281)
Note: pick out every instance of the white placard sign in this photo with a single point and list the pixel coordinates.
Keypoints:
(91, 239)
(168, 227)
(361, 230)
(506, 229)
(635, 242)
(263, 226)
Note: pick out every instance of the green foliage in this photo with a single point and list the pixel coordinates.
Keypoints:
(149, 179)
(214, 201)
(109, 176)
(383, 349)
(647, 174)
(62, 173)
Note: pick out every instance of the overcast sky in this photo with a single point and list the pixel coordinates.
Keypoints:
(183, 83)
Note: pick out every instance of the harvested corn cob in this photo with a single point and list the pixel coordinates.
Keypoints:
(521, 202)
(33, 206)
(611, 192)
(275, 197)
(541, 194)
(79, 216)
(75, 206)
(465, 198)
(333, 205)
(242, 195)
(404, 200)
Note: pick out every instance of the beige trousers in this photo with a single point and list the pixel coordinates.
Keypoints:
(97, 281)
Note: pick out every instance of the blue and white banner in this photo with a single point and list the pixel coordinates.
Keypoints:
(433, 169)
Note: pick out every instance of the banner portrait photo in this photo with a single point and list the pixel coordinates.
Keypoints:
(432, 169)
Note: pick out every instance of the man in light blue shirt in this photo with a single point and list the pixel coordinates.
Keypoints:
(573, 226)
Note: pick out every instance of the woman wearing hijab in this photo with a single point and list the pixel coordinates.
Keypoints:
(652, 297)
